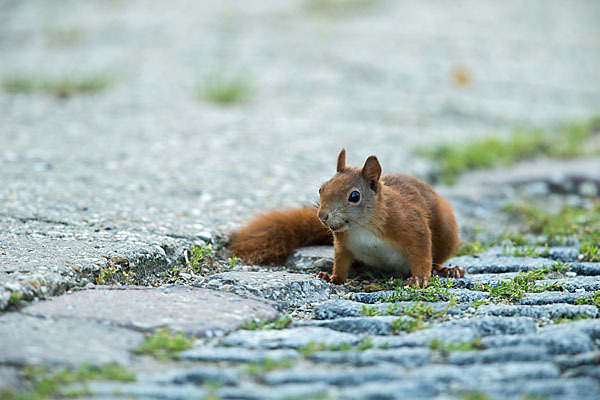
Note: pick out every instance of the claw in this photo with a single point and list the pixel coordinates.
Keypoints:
(325, 276)
(418, 282)
(330, 278)
(454, 272)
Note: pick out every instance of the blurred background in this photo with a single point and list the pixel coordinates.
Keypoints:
(194, 114)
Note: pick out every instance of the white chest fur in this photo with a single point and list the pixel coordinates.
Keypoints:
(368, 248)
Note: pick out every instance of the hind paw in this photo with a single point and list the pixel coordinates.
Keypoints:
(454, 272)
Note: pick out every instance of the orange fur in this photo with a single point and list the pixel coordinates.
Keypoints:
(273, 236)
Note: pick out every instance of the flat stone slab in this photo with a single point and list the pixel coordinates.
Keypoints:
(406, 357)
(311, 257)
(285, 288)
(289, 338)
(32, 340)
(195, 311)
(371, 325)
(586, 268)
(482, 263)
(542, 311)
(236, 354)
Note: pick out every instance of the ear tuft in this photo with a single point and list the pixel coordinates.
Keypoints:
(371, 172)
(341, 161)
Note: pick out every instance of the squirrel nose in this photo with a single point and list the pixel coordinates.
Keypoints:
(323, 216)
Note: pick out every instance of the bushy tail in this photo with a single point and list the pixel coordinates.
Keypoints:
(273, 236)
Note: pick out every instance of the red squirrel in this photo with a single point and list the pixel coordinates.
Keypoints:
(394, 221)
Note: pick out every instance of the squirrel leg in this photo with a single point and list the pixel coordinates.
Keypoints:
(420, 261)
(342, 261)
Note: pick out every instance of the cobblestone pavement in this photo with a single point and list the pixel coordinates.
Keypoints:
(463, 340)
(129, 178)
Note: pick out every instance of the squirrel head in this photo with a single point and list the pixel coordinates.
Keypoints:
(350, 197)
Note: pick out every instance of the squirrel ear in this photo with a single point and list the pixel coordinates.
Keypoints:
(341, 161)
(371, 172)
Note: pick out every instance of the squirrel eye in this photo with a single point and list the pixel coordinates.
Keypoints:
(354, 197)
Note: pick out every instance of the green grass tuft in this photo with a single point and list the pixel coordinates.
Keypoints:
(408, 325)
(282, 322)
(570, 221)
(15, 297)
(333, 8)
(594, 300)
(165, 344)
(472, 345)
(436, 291)
(524, 282)
(568, 142)
(267, 365)
(225, 89)
(62, 87)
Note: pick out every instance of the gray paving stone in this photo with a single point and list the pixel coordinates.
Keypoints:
(471, 281)
(194, 311)
(236, 354)
(500, 355)
(371, 325)
(579, 388)
(313, 390)
(204, 375)
(473, 377)
(337, 377)
(552, 298)
(406, 357)
(32, 340)
(486, 326)
(283, 287)
(586, 371)
(587, 283)
(565, 254)
(338, 308)
(142, 390)
(586, 268)
(590, 327)
(311, 257)
(424, 337)
(544, 311)
(371, 298)
(388, 391)
(572, 361)
(462, 295)
(289, 338)
(481, 263)
(556, 342)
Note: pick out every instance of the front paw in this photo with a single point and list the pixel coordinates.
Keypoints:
(417, 281)
(330, 278)
(454, 272)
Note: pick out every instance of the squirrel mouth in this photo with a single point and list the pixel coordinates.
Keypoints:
(340, 227)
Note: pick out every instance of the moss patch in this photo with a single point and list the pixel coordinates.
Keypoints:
(440, 345)
(515, 288)
(282, 322)
(225, 89)
(437, 290)
(165, 344)
(569, 141)
(61, 87)
(584, 223)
